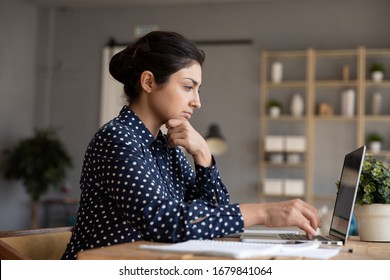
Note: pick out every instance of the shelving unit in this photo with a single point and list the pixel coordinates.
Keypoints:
(376, 123)
(320, 77)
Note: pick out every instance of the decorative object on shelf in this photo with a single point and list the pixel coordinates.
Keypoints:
(376, 103)
(346, 72)
(273, 186)
(372, 208)
(377, 72)
(375, 142)
(274, 108)
(297, 105)
(293, 158)
(276, 158)
(325, 109)
(348, 102)
(295, 144)
(216, 142)
(294, 187)
(40, 162)
(277, 72)
(274, 143)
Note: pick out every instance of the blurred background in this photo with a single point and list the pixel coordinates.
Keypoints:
(52, 73)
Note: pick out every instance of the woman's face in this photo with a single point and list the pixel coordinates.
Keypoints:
(179, 96)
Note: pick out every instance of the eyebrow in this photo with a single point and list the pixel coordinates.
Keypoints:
(194, 82)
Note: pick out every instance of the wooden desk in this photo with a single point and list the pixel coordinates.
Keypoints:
(131, 251)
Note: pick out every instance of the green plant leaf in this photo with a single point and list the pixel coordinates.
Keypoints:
(374, 184)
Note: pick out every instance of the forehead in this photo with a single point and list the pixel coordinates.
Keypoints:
(193, 72)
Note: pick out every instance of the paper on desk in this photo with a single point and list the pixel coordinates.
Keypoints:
(232, 249)
(313, 253)
(243, 250)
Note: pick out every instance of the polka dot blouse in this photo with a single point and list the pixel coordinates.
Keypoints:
(134, 187)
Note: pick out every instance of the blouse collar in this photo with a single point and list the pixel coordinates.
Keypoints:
(127, 116)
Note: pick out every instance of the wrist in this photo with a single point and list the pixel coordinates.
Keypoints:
(253, 214)
(203, 158)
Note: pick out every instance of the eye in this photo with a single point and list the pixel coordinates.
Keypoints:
(188, 88)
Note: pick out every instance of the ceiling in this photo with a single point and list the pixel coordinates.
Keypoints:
(130, 3)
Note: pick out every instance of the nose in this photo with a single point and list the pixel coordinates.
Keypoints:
(195, 102)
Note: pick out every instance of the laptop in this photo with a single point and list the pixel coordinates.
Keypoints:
(342, 212)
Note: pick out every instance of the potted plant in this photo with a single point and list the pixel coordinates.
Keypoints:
(274, 108)
(377, 71)
(39, 162)
(372, 208)
(375, 142)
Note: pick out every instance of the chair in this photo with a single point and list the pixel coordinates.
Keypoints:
(35, 244)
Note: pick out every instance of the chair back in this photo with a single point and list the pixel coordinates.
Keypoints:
(35, 244)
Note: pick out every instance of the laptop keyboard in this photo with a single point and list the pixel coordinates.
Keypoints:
(289, 236)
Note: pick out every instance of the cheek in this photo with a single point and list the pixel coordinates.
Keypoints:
(164, 105)
(170, 100)
(173, 95)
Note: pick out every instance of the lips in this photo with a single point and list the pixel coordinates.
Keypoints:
(187, 115)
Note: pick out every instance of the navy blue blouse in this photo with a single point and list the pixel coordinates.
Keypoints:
(134, 187)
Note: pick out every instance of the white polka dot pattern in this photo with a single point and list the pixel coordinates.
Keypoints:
(133, 187)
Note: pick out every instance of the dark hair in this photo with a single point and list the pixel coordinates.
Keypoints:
(160, 52)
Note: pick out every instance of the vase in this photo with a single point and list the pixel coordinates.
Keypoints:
(376, 103)
(274, 111)
(375, 146)
(377, 76)
(373, 222)
(348, 103)
(277, 72)
(297, 105)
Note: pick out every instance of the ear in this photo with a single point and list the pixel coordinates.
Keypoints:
(147, 81)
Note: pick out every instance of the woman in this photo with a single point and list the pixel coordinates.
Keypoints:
(136, 184)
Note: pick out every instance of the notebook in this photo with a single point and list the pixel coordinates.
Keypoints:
(342, 212)
(237, 250)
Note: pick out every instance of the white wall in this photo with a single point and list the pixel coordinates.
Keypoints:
(18, 28)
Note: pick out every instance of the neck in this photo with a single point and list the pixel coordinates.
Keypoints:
(146, 117)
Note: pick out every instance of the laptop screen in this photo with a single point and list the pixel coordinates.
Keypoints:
(346, 195)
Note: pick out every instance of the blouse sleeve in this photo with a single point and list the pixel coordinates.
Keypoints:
(206, 184)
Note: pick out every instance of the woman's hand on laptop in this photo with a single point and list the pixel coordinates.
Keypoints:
(293, 212)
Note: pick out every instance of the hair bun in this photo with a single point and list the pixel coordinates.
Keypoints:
(120, 68)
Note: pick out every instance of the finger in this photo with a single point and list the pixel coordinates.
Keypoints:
(172, 123)
(311, 214)
(307, 217)
(310, 232)
(178, 137)
(173, 137)
(177, 142)
(178, 130)
(315, 219)
(178, 133)
(313, 226)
